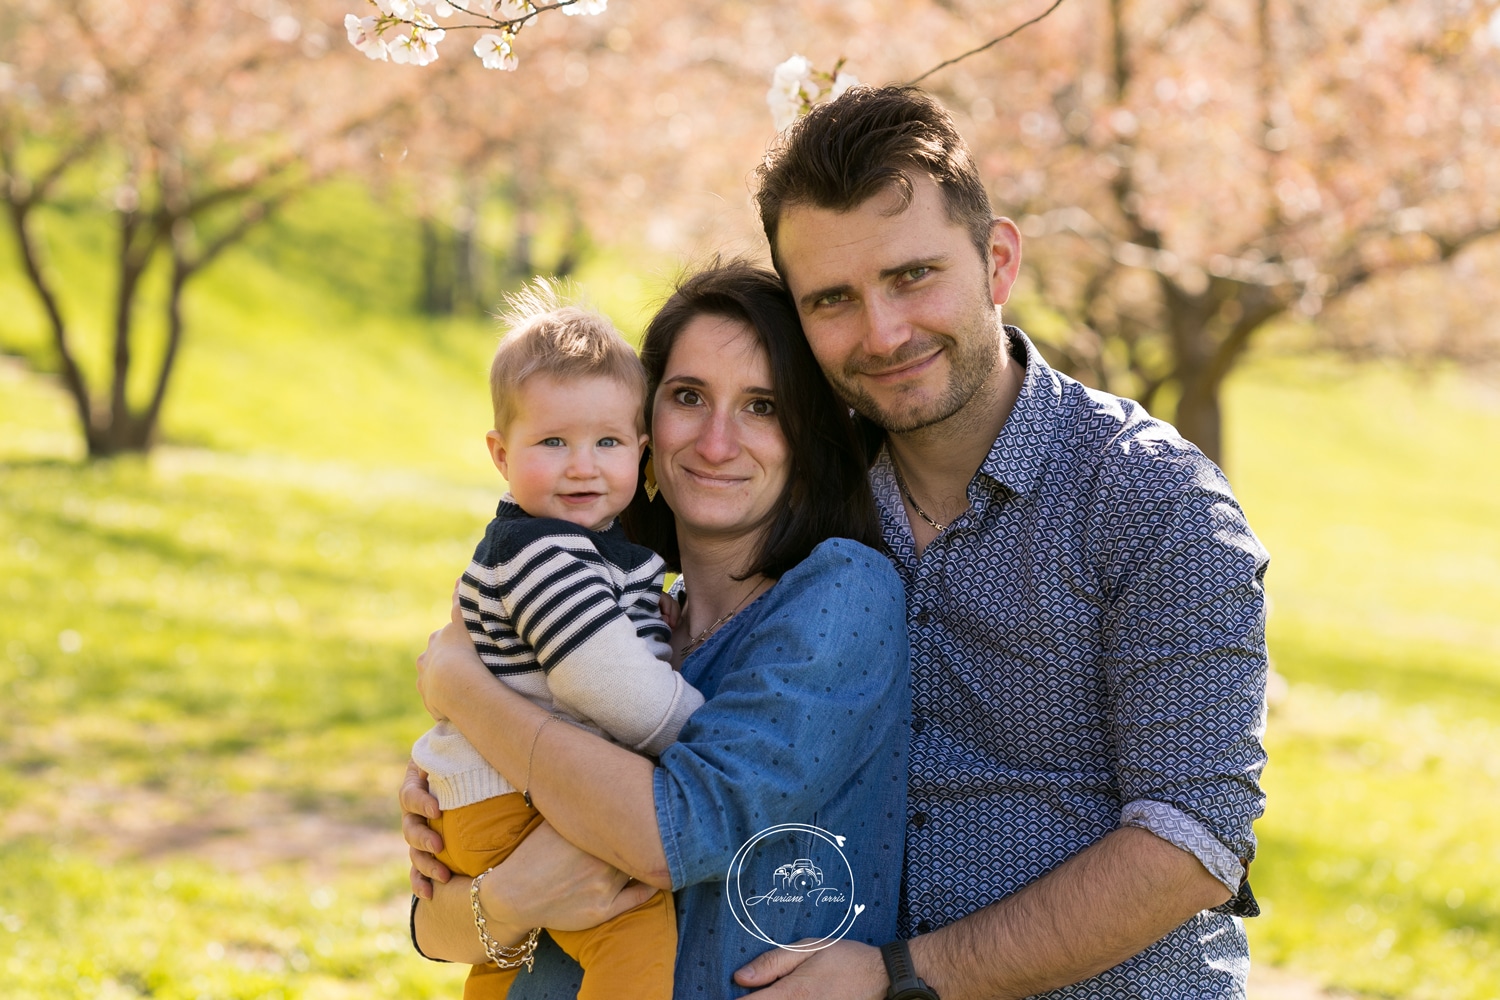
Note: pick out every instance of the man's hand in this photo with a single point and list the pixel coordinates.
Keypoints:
(418, 805)
(845, 970)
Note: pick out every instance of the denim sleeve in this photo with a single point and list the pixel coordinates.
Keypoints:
(814, 687)
(1186, 663)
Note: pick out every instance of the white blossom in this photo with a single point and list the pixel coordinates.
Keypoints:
(586, 7)
(513, 10)
(364, 34)
(417, 46)
(792, 91)
(841, 83)
(495, 51)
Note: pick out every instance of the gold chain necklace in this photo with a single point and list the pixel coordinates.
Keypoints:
(702, 637)
(906, 492)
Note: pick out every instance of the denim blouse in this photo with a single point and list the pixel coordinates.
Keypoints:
(791, 779)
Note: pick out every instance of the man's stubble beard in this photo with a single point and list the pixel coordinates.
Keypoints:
(971, 357)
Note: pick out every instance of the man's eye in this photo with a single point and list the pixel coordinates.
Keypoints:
(916, 273)
(831, 299)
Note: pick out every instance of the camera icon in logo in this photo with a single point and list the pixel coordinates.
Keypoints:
(801, 874)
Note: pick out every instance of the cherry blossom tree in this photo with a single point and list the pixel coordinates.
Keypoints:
(1190, 173)
(186, 123)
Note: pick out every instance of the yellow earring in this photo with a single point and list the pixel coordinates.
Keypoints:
(649, 478)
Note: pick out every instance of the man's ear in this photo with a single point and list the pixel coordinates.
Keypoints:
(496, 443)
(1005, 259)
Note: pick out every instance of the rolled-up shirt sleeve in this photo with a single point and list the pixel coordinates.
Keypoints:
(1186, 663)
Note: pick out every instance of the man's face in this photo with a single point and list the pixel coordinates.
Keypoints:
(899, 309)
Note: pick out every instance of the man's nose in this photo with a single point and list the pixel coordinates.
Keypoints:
(886, 327)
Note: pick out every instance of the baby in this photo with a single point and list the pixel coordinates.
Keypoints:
(565, 610)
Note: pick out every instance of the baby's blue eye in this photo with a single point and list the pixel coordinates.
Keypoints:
(609, 442)
(553, 442)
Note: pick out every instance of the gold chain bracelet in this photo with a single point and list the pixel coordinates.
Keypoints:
(506, 958)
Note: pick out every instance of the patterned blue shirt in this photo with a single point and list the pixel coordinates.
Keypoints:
(1088, 652)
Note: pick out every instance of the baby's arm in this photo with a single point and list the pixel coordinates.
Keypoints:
(599, 668)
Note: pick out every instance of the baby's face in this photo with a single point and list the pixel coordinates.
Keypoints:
(573, 449)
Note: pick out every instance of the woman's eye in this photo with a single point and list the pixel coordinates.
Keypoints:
(762, 407)
(687, 397)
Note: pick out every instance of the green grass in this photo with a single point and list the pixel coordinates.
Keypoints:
(206, 657)
(1381, 847)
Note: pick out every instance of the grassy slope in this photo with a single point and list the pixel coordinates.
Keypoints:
(1382, 512)
(219, 642)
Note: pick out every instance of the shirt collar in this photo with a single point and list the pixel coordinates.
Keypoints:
(1025, 444)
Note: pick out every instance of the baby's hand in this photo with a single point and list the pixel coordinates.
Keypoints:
(671, 611)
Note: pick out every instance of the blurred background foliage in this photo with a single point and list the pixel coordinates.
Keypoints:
(206, 642)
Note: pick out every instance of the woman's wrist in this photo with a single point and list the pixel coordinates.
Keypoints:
(501, 922)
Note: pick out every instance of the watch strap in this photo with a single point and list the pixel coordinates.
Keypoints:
(902, 972)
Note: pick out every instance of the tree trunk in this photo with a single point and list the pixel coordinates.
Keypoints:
(437, 284)
(72, 375)
(1199, 417)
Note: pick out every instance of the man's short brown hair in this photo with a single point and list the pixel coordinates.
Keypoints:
(546, 336)
(870, 140)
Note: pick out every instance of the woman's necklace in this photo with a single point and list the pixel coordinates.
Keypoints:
(906, 492)
(702, 637)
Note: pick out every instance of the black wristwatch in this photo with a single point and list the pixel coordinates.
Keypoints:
(904, 982)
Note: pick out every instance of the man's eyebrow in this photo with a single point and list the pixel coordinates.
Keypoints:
(818, 293)
(888, 272)
(904, 266)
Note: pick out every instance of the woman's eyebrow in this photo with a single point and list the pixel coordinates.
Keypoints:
(696, 382)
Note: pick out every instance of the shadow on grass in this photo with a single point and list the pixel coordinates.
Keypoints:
(1405, 674)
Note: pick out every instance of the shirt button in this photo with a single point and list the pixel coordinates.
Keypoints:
(920, 618)
(919, 820)
(924, 928)
(917, 725)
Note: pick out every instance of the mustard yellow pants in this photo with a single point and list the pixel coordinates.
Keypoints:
(629, 956)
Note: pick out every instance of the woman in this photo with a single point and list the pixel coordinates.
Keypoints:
(793, 632)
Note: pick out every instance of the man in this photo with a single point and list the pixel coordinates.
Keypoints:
(1084, 602)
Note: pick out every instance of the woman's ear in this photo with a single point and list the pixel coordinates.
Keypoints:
(496, 443)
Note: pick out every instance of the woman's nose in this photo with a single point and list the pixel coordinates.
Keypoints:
(718, 439)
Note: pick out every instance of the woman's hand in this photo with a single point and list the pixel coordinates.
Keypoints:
(418, 805)
(448, 662)
(546, 882)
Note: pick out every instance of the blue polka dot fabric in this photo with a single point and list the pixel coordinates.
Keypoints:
(1088, 652)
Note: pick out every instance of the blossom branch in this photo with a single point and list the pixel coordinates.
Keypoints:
(989, 44)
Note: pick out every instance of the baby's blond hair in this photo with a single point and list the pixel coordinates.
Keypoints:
(546, 335)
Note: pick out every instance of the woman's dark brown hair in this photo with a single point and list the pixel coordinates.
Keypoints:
(827, 493)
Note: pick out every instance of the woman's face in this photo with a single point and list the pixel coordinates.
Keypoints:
(719, 454)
